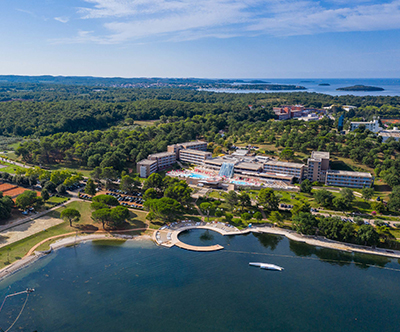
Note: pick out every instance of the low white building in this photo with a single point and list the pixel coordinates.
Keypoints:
(386, 134)
(371, 125)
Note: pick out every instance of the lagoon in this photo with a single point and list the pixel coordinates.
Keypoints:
(137, 286)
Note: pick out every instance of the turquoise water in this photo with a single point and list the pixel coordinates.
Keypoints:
(198, 176)
(136, 286)
(240, 183)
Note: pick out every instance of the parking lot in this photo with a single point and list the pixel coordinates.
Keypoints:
(133, 200)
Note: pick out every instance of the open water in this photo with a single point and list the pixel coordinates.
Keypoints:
(391, 86)
(137, 286)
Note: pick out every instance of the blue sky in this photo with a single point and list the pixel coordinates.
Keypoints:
(201, 38)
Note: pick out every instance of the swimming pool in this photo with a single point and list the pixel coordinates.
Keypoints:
(197, 176)
(242, 183)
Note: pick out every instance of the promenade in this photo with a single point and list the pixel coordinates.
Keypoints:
(167, 236)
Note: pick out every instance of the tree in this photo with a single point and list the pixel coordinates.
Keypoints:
(367, 235)
(341, 204)
(164, 208)
(367, 193)
(154, 181)
(90, 188)
(300, 207)
(207, 208)
(45, 194)
(378, 207)
(108, 174)
(323, 197)
(106, 199)
(245, 216)
(348, 195)
(348, 232)
(126, 184)
(98, 206)
(61, 189)
(267, 198)
(102, 215)
(358, 220)
(50, 186)
(305, 223)
(287, 154)
(96, 173)
(394, 199)
(70, 215)
(6, 204)
(150, 193)
(275, 216)
(244, 199)
(231, 197)
(118, 215)
(28, 198)
(180, 192)
(306, 186)
(258, 215)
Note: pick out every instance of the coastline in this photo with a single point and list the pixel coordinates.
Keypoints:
(27, 260)
(316, 241)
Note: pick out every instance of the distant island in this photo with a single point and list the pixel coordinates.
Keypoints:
(307, 81)
(324, 84)
(266, 87)
(258, 82)
(360, 88)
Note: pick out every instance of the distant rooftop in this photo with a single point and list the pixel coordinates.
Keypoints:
(349, 173)
(161, 154)
(319, 155)
(285, 164)
(252, 166)
(192, 143)
(198, 152)
(147, 162)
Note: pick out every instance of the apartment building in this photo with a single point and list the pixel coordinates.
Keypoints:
(196, 145)
(164, 159)
(349, 179)
(146, 167)
(194, 156)
(372, 125)
(280, 167)
(317, 166)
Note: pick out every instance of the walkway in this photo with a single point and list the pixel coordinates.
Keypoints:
(168, 236)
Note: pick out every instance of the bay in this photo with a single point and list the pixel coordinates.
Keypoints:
(391, 86)
(137, 286)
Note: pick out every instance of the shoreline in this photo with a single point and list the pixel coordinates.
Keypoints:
(316, 241)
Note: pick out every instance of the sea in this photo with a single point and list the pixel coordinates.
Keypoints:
(138, 286)
(391, 86)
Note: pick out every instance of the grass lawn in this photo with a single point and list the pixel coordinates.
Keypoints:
(17, 250)
(70, 167)
(10, 168)
(53, 201)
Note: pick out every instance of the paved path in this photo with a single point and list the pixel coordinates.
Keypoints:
(32, 217)
(168, 237)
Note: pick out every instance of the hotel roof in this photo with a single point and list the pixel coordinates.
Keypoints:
(251, 166)
(284, 164)
(147, 162)
(161, 154)
(319, 155)
(198, 152)
(349, 173)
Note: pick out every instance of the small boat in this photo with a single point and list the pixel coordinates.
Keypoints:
(266, 266)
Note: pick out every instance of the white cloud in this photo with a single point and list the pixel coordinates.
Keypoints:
(62, 19)
(127, 20)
